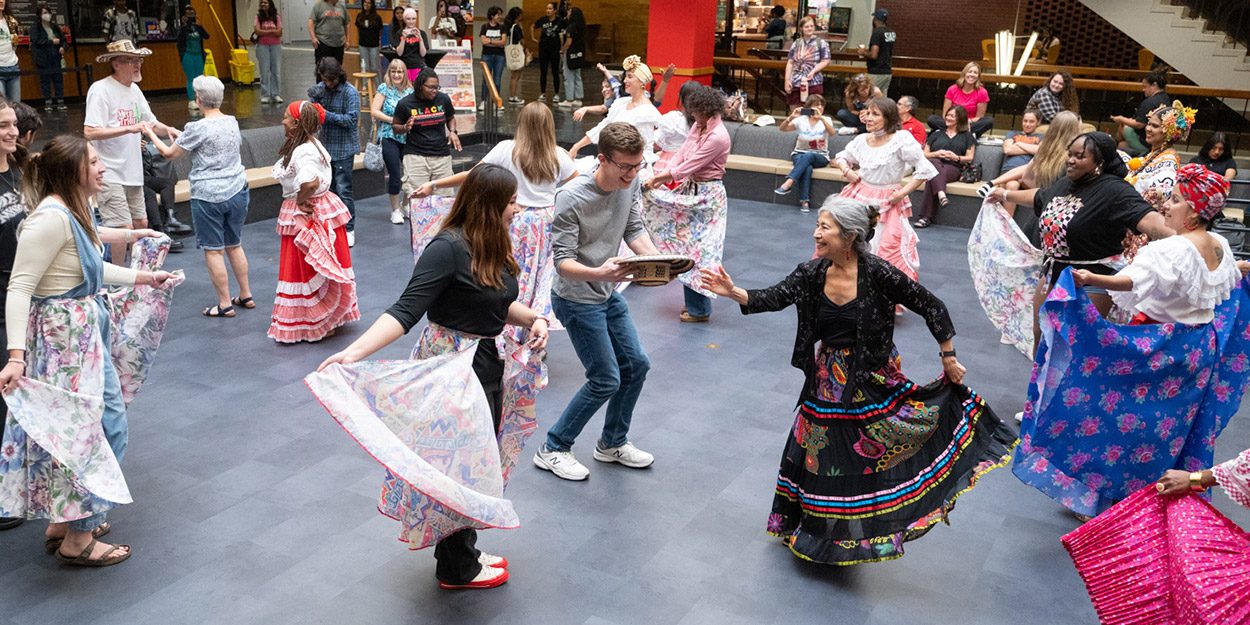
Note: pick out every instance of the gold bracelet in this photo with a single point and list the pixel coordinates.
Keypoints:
(1195, 482)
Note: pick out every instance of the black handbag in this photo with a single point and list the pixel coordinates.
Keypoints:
(576, 56)
(971, 172)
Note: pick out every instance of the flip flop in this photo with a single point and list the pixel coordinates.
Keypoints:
(243, 302)
(53, 544)
(228, 311)
(84, 558)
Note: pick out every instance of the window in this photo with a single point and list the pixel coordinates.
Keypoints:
(158, 19)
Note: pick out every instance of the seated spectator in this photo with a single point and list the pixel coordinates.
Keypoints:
(1215, 154)
(811, 148)
(1058, 94)
(859, 91)
(158, 190)
(948, 149)
(776, 29)
(969, 93)
(1132, 129)
(906, 105)
(1020, 147)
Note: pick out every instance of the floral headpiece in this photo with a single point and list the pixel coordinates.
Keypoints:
(1206, 191)
(1177, 120)
(634, 65)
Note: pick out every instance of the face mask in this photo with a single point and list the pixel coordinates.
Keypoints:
(47, 17)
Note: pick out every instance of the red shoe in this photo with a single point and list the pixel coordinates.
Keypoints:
(489, 577)
(499, 562)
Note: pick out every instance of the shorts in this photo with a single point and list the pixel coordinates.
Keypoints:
(219, 225)
(121, 205)
(419, 170)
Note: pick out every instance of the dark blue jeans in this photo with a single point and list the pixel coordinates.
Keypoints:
(850, 119)
(496, 63)
(697, 304)
(801, 174)
(606, 342)
(393, 156)
(341, 185)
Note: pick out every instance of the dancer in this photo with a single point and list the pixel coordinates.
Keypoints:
(12, 212)
(1045, 166)
(316, 286)
(67, 416)
(636, 110)
(1154, 174)
(673, 128)
(594, 214)
(691, 220)
(865, 435)
(465, 283)
(883, 155)
(540, 167)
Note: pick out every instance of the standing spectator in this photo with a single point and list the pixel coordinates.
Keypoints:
(117, 115)
(390, 35)
(880, 51)
(10, 81)
(443, 26)
(120, 24)
(268, 27)
(969, 93)
(462, 26)
(947, 149)
(1153, 86)
(1057, 95)
(340, 132)
(395, 86)
(808, 57)
(412, 45)
(516, 35)
(219, 193)
(191, 51)
(811, 147)
(1215, 155)
(492, 39)
(48, 49)
(574, 49)
(906, 105)
(328, 27)
(368, 36)
(426, 119)
(858, 93)
(775, 30)
(1020, 147)
(549, 27)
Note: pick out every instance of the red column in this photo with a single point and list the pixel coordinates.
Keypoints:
(683, 33)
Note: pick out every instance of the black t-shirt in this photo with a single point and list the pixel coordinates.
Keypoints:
(883, 38)
(1088, 221)
(412, 57)
(370, 30)
(1149, 104)
(12, 212)
(959, 144)
(1225, 163)
(492, 32)
(518, 34)
(550, 35)
(428, 135)
(776, 28)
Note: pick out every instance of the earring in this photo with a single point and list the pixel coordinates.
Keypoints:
(848, 253)
(1098, 170)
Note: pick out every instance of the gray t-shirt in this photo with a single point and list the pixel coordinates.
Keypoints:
(216, 164)
(329, 23)
(589, 225)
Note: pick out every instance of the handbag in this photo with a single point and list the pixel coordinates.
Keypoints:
(576, 56)
(736, 106)
(971, 172)
(373, 152)
(516, 56)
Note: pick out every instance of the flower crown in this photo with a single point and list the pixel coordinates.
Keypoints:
(1177, 120)
(631, 62)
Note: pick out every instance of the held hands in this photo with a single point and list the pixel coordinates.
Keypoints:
(717, 281)
(538, 334)
(954, 371)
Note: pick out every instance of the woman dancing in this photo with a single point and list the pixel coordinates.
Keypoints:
(635, 110)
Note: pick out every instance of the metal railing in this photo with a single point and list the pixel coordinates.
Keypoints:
(1228, 17)
(489, 128)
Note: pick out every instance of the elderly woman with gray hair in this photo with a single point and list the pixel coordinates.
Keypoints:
(873, 459)
(219, 193)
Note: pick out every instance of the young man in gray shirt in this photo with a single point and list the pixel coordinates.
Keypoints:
(327, 25)
(593, 215)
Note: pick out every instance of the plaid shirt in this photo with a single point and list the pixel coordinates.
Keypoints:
(1047, 103)
(340, 134)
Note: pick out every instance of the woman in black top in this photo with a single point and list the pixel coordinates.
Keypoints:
(573, 47)
(47, 47)
(864, 431)
(369, 33)
(411, 45)
(516, 35)
(776, 29)
(492, 40)
(947, 149)
(465, 284)
(548, 27)
(1216, 156)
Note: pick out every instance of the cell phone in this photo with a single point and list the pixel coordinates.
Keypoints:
(807, 112)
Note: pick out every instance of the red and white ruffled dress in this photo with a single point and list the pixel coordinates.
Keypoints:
(316, 285)
(881, 171)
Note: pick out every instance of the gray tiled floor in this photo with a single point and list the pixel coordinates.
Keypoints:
(252, 505)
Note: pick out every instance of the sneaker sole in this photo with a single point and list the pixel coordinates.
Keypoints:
(602, 457)
(542, 464)
(498, 581)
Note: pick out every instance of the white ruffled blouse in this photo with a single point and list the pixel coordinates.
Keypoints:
(1234, 477)
(1171, 282)
(308, 162)
(671, 131)
(645, 117)
(885, 166)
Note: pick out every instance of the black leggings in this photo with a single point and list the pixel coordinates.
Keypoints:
(393, 156)
(548, 59)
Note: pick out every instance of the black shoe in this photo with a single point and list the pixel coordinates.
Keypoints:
(175, 245)
(8, 523)
(173, 226)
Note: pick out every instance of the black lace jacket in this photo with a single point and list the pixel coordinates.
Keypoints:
(880, 287)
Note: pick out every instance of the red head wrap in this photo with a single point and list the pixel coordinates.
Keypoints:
(294, 108)
(1204, 189)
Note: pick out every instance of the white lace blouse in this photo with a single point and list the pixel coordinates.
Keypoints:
(645, 117)
(885, 166)
(308, 162)
(671, 131)
(1171, 282)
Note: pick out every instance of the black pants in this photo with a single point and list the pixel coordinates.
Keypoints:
(548, 59)
(323, 51)
(152, 187)
(393, 157)
(457, 554)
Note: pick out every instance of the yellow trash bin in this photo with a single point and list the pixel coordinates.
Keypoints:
(243, 73)
(238, 56)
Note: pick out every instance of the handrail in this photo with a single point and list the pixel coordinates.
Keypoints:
(490, 82)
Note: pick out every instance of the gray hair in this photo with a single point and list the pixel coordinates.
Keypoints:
(209, 90)
(909, 101)
(856, 220)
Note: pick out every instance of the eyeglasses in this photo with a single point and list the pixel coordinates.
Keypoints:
(624, 168)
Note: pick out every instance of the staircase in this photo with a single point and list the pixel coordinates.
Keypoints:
(1206, 57)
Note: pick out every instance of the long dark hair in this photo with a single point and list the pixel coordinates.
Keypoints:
(271, 16)
(1216, 137)
(513, 14)
(372, 11)
(478, 214)
(577, 22)
(306, 128)
(58, 170)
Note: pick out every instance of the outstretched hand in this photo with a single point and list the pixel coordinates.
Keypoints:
(342, 358)
(717, 281)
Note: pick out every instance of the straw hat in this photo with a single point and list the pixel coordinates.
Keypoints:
(125, 47)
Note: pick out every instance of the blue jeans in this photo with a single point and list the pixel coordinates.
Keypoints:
(801, 174)
(113, 421)
(606, 342)
(697, 304)
(369, 61)
(12, 85)
(219, 225)
(572, 82)
(496, 63)
(269, 64)
(341, 185)
(850, 119)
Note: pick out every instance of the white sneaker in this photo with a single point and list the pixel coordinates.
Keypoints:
(542, 98)
(277, 99)
(566, 103)
(626, 454)
(191, 105)
(351, 239)
(562, 463)
(481, 106)
(555, 99)
(485, 559)
(488, 577)
(577, 103)
(397, 217)
(264, 100)
(1020, 417)
(515, 100)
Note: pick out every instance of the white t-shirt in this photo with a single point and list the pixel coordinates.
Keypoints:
(8, 57)
(529, 194)
(112, 105)
(812, 136)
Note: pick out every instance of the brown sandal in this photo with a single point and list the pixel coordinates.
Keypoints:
(84, 558)
(53, 544)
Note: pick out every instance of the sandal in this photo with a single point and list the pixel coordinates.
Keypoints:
(923, 222)
(243, 302)
(84, 558)
(218, 311)
(53, 544)
(943, 202)
(686, 317)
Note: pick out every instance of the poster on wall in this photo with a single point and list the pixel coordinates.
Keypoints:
(455, 77)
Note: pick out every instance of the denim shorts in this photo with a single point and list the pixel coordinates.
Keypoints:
(219, 225)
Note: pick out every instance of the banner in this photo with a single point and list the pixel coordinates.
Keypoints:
(455, 76)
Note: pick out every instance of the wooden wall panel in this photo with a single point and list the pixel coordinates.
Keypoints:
(628, 17)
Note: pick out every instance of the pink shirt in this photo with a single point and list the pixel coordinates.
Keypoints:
(702, 156)
(967, 100)
(268, 40)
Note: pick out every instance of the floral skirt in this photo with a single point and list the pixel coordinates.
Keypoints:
(894, 239)
(689, 221)
(859, 479)
(316, 285)
(1005, 270)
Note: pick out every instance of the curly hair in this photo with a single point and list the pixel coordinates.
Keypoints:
(704, 101)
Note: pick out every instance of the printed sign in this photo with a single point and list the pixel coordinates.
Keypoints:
(455, 77)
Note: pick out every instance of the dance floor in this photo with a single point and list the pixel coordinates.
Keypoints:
(253, 506)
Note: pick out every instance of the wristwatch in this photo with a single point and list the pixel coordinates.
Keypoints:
(950, 353)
